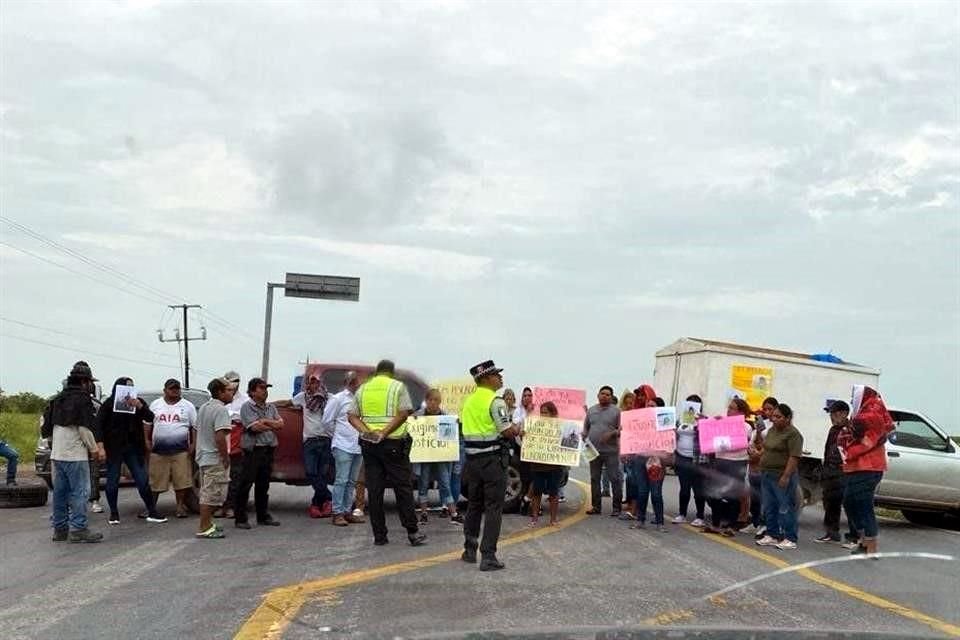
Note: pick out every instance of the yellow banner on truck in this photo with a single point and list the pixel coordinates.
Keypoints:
(753, 384)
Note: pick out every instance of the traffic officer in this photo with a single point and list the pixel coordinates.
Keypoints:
(486, 429)
(380, 411)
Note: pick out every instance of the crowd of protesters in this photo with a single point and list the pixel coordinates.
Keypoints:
(231, 440)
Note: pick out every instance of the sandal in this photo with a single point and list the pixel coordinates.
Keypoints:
(213, 533)
(532, 524)
(182, 514)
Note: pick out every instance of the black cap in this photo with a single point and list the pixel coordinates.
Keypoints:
(836, 405)
(82, 370)
(485, 368)
(253, 383)
(171, 383)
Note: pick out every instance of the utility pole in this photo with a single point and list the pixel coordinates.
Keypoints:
(185, 339)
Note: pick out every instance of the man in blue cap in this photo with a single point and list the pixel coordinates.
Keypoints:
(486, 428)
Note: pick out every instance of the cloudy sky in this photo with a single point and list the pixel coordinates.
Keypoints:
(562, 187)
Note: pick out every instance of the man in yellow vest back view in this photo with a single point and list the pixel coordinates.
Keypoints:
(381, 408)
(486, 429)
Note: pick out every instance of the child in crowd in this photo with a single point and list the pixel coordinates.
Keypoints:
(440, 470)
(545, 479)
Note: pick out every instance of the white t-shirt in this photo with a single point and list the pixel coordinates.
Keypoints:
(345, 437)
(171, 425)
(239, 399)
(312, 420)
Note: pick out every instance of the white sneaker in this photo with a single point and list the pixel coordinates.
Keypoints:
(762, 531)
(749, 529)
(698, 523)
(767, 541)
(786, 545)
(358, 513)
(679, 520)
(96, 507)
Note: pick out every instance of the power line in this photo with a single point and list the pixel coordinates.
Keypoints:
(86, 352)
(90, 261)
(73, 335)
(112, 285)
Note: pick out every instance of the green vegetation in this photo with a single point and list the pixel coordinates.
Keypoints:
(25, 402)
(20, 430)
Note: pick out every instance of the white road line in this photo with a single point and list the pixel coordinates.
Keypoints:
(44, 608)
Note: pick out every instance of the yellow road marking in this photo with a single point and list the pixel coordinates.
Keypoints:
(280, 605)
(882, 603)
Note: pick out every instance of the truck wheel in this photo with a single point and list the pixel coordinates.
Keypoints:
(26, 495)
(514, 494)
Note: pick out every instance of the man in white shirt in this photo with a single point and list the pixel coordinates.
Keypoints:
(346, 451)
(317, 459)
(171, 440)
(240, 398)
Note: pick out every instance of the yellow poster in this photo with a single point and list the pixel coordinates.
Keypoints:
(753, 384)
(453, 393)
(551, 441)
(435, 438)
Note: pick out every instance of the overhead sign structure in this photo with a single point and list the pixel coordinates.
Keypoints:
(306, 285)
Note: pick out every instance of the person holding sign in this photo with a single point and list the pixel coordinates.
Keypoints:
(486, 427)
(726, 481)
(546, 479)
(687, 462)
(380, 413)
(602, 427)
(439, 470)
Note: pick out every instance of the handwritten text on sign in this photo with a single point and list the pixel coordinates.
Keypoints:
(639, 434)
(435, 438)
(453, 393)
(718, 435)
(542, 438)
(569, 401)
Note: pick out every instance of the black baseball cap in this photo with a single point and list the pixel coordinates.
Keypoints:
(836, 405)
(253, 383)
(171, 383)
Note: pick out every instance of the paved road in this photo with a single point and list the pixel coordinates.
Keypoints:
(156, 581)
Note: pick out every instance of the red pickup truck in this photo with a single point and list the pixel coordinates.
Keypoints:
(288, 459)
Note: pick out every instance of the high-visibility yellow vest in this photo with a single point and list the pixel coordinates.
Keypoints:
(377, 401)
(478, 425)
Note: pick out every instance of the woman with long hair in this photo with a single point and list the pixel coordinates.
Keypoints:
(689, 470)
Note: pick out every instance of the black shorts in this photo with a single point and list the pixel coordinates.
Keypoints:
(547, 482)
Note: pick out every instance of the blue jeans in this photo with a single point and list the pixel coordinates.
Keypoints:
(442, 471)
(647, 490)
(71, 486)
(780, 506)
(348, 470)
(858, 500)
(8, 452)
(134, 461)
(317, 461)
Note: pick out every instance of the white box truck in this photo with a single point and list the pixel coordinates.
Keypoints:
(717, 370)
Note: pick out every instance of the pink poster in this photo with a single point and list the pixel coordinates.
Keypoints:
(569, 402)
(639, 433)
(718, 435)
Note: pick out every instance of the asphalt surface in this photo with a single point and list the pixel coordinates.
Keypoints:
(157, 581)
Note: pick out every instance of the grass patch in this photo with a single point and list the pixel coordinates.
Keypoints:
(20, 430)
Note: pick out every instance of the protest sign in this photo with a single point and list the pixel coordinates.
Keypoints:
(689, 413)
(590, 452)
(453, 393)
(124, 399)
(570, 402)
(753, 384)
(666, 418)
(718, 435)
(639, 433)
(435, 438)
(551, 441)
